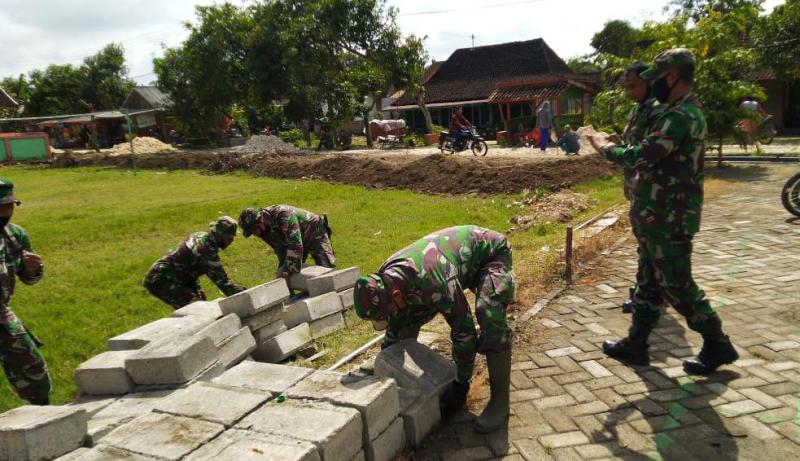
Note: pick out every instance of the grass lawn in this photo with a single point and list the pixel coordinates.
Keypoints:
(99, 230)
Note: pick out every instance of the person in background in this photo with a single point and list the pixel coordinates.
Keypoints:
(457, 124)
(569, 142)
(544, 123)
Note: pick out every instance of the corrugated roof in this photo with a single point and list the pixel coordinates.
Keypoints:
(146, 97)
(6, 101)
(473, 73)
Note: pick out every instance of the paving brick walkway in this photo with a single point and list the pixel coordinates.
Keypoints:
(571, 402)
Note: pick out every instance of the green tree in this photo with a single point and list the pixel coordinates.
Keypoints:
(583, 64)
(777, 39)
(617, 37)
(106, 83)
(724, 63)
(699, 9)
(57, 90)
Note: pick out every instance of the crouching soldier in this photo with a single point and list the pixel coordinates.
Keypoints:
(19, 349)
(293, 233)
(429, 277)
(173, 278)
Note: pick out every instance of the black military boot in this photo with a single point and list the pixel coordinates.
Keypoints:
(633, 349)
(717, 348)
(495, 415)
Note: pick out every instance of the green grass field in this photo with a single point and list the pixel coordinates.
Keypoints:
(99, 230)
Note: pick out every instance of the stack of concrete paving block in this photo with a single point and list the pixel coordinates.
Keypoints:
(34, 432)
(423, 375)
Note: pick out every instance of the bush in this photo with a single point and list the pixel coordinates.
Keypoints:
(293, 136)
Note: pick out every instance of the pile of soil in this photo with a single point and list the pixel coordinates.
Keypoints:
(438, 174)
(561, 207)
(261, 144)
(142, 146)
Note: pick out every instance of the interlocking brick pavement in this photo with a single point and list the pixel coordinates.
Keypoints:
(569, 401)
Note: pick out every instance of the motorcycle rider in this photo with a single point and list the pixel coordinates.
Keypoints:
(457, 124)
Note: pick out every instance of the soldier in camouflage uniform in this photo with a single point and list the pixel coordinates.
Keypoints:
(293, 233)
(642, 116)
(429, 278)
(19, 349)
(173, 278)
(667, 198)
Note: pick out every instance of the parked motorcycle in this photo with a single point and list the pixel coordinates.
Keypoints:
(790, 195)
(469, 139)
(764, 133)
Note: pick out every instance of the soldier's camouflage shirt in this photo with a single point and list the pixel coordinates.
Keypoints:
(198, 255)
(13, 241)
(289, 231)
(667, 195)
(642, 116)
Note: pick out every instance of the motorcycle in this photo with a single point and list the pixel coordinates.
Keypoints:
(790, 195)
(764, 133)
(469, 139)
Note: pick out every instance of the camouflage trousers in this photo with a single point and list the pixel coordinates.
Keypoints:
(164, 283)
(321, 251)
(494, 291)
(665, 273)
(22, 361)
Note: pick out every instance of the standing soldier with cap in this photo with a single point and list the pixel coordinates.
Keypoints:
(19, 348)
(293, 233)
(642, 116)
(667, 199)
(173, 278)
(428, 278)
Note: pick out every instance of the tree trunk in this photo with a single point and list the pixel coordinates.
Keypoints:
(425, 113)
(306, 134)
(719, 152)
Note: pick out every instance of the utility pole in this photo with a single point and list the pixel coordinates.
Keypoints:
(473, 41)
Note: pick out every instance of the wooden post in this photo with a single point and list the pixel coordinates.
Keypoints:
(568, 256)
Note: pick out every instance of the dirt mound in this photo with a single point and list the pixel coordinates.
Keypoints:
(142, 146)
(261, 144)
(439, 174)
(559, 207)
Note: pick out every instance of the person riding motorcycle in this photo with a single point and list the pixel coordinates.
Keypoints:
(457, 125)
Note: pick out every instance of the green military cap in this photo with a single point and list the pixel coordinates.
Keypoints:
(225, 226)
(7, 192)
(675, 58)
(248, 220)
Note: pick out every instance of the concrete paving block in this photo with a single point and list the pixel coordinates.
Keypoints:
(266, 317)
(120, 412)
(104, 453)
(171, 361)
(336, 431)
(216, 369)
(73, 455)
(212, 402)
(270, 331)
(284, 345)
(157, 331)
(222, 329)
(386, 446)
(249, 302)
(326, 325)
(242, 445)
(268, 377)
(415, 366)
(163, 436)
(299, 282)
(236, 348)
(35, 432)
(338, 280)
(310, 309)
(200, 308)
(376, 399)
(420, 413)
(104, 374)
(347, 299)
(92, 404)
(360, 456)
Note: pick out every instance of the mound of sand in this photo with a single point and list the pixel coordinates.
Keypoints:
(142, 146)
(561, 206)
(261, 144)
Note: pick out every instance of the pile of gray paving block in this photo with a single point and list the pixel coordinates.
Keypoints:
(278, 411)
(203, 339)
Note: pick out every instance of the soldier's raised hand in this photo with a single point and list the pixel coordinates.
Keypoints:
(32, 262)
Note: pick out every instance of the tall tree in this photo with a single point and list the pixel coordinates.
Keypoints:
(57, 90)
(106, 83)
(617, 37)
(777, 39)
(699, 9)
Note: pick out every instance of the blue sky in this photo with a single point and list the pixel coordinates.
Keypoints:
(40, 32)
